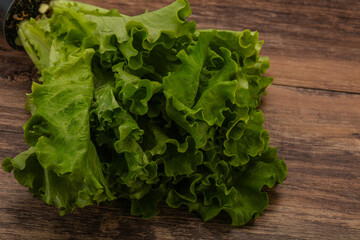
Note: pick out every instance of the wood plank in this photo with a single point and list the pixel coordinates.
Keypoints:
(318, 134)
(313, 45)
(310, 44)
(319, 199)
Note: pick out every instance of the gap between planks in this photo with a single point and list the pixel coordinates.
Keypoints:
(315, 89)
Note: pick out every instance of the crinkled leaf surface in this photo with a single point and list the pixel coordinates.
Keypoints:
(146, 108)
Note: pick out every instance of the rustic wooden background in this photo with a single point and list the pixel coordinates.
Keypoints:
(312, 112)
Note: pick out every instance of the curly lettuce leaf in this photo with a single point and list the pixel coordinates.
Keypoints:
(62, 166)
(146, 108)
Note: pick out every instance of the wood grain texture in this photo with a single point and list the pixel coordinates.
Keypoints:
(312, 113)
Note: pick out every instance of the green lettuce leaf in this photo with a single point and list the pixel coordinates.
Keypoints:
(62, 166)
(146, 108)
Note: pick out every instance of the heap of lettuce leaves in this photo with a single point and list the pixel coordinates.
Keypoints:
(145, 108)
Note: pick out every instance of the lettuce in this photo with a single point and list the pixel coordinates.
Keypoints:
(146, 108)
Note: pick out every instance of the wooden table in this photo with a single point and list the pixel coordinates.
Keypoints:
(312, 112)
